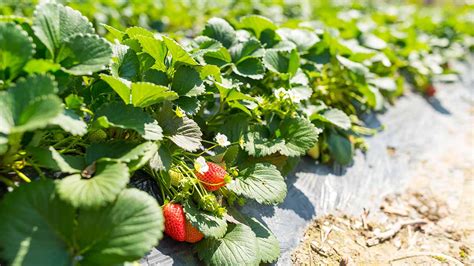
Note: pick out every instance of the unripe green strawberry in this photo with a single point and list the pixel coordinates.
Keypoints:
(175, 177)
(213, 178)
(97, 135)
(314, 152)
(175, 221)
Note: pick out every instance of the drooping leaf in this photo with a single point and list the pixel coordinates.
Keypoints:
(208, 224)
(333, 116)
(238, 247)
(355, 67)
(268, 245)
(385, 83)
(341, 148)
(183, 131)
(121, 232)
(261, 182)
(52, 159)
(129, 117)
(133, 154)
(70, 122)
(221, 30)
(36, 226)
(16, 48)
(107, 181)
(161, 160)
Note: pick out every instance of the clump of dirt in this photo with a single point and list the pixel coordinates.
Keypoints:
(414, 227)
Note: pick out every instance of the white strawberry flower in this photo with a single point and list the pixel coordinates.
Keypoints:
(281, 93)
(222, 140)
(200, 165)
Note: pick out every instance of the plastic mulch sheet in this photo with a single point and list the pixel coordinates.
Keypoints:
(414, 128)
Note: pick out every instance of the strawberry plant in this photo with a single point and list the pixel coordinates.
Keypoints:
(97, 134)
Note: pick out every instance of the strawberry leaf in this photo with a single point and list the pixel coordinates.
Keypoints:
(129, 117)
(282, 62)
(178, 53)
(268, 245)
(123, 231)
(34, 213)
(134, 155)
(208, 224)
(102, 188)
(16, 48)
(52, 159)
(237, 247)
(84, 54)
(335, 117)
(221, 30)
(340, 148)
(53, 24)
(183, 131)
(261, 182)
(257, 24)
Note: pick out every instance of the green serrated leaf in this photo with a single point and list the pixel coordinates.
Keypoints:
(268, 245)
(129, 117)
(296, 136)
(335, 117)
(238, 247)
(250, 67)
(221, 30)
(187, 81)
(261, 182)
(156, 48)
(178, 53)
(145, 94)
(133, 154)
(121, 232)
(84, 54)
(16, 48)
(52, 159)
(36, 226)
(282, 62)
(125, 63)
(208, 224)
(107, 181)
(257, 24)
(183, 131)
(161, 160)
(70, 122)
(54, 23)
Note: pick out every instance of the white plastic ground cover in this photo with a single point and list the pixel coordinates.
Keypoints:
(414, 128)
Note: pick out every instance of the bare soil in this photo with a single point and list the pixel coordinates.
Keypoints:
(430, 223)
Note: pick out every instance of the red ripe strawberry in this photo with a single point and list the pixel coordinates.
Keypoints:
(430, 90)
(175, 221)
(213, 179)
(193, 235)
